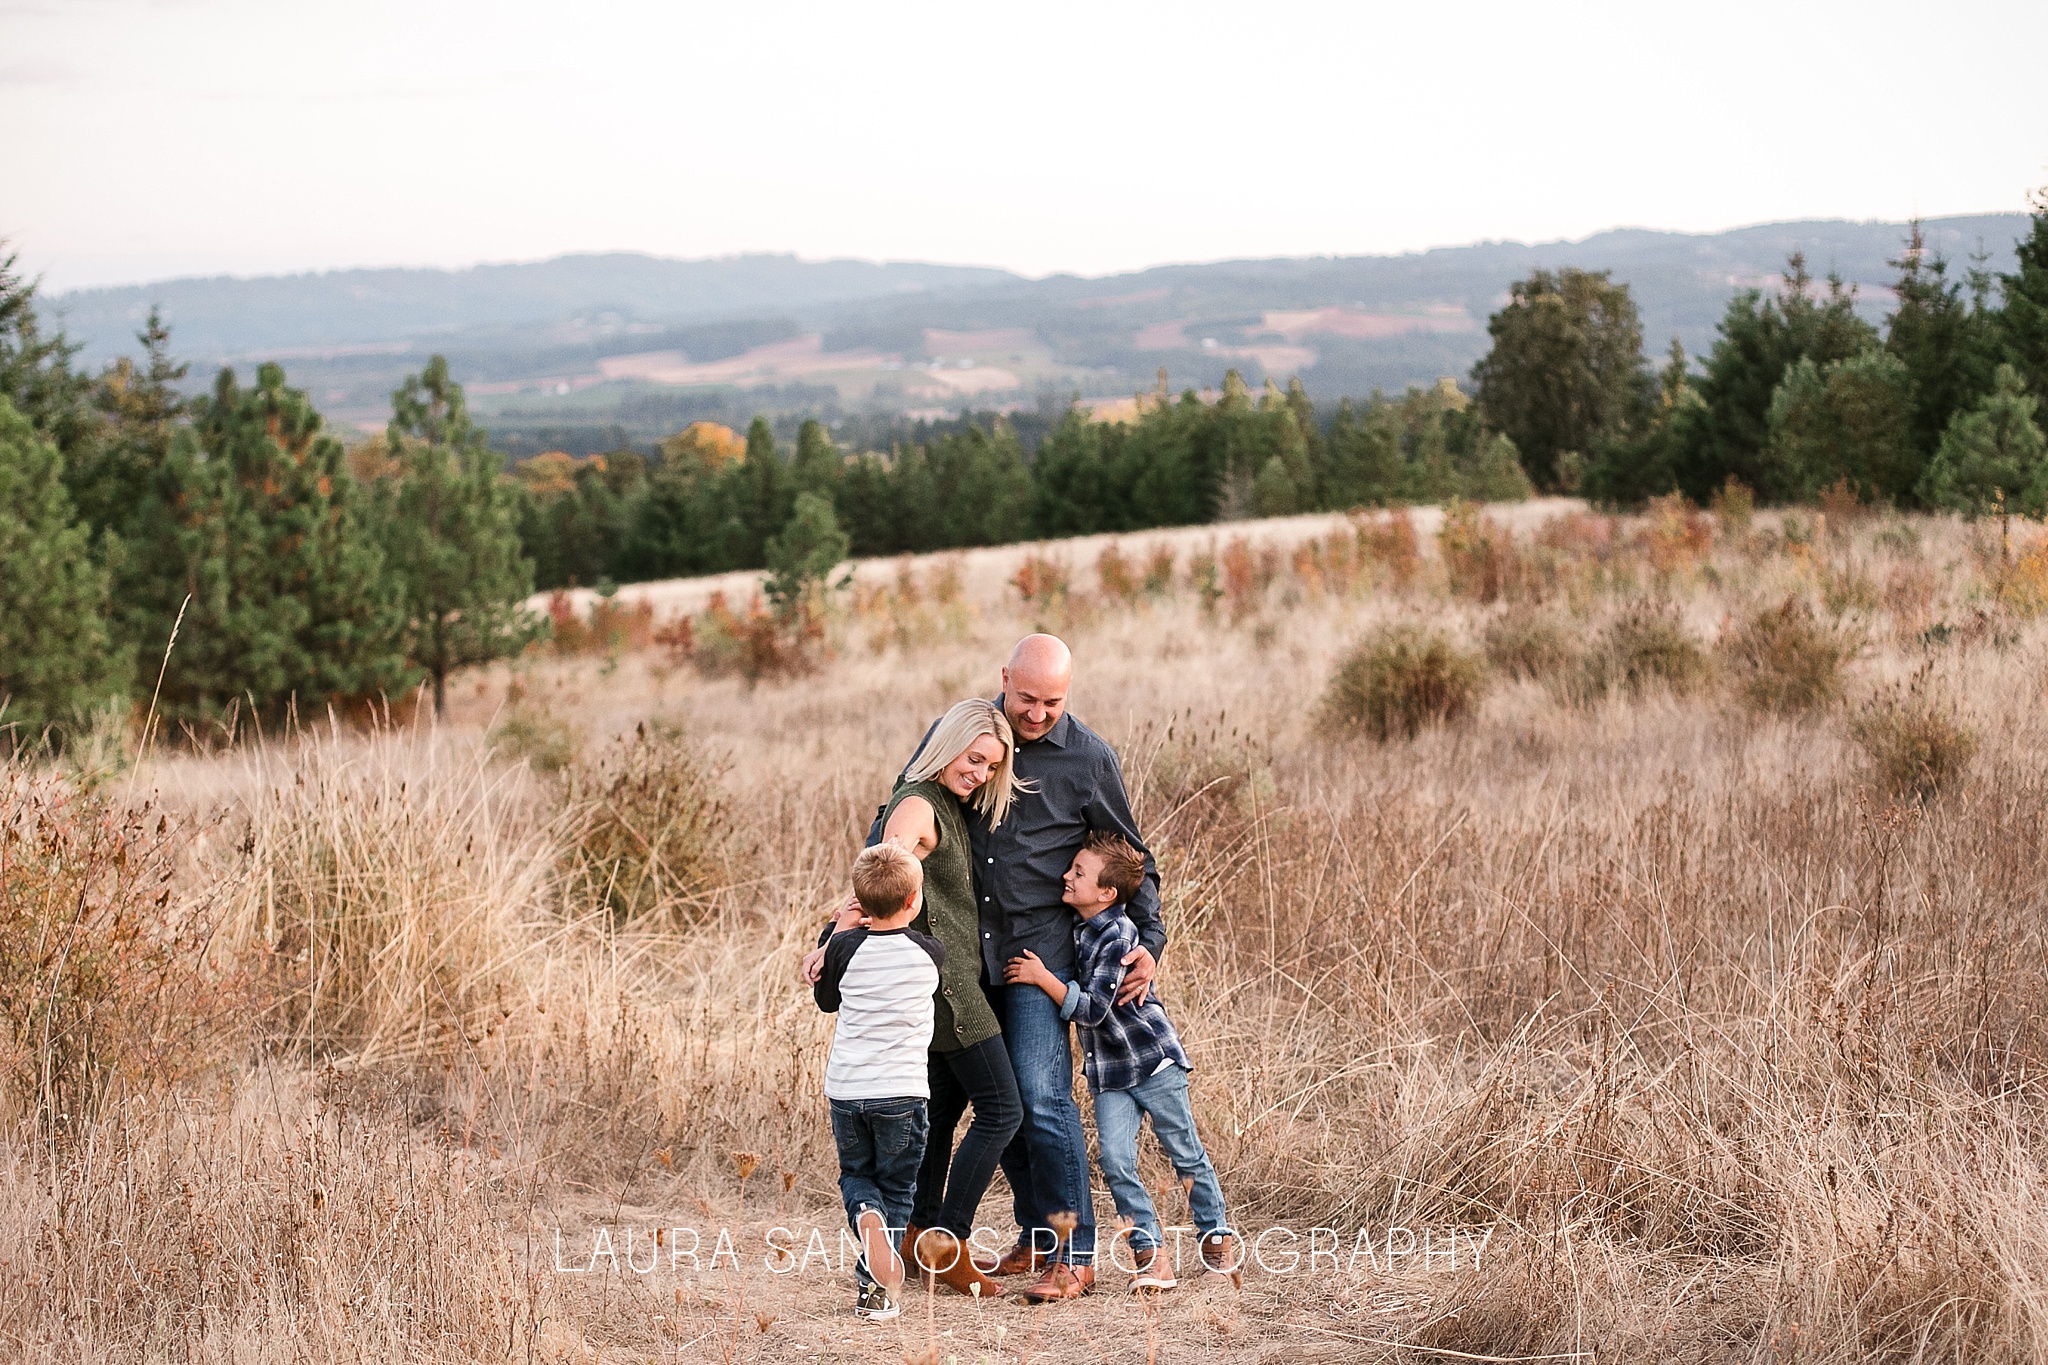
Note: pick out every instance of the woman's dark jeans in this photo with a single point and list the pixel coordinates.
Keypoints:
(980, 1076)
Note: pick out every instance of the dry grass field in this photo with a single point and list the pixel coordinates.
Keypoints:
(1691, 947)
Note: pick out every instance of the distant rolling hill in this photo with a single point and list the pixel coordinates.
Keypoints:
(593, 350)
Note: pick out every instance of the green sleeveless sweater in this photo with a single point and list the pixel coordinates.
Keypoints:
(961, 1013)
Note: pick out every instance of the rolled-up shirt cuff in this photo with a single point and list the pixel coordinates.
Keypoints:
(1072, 1002)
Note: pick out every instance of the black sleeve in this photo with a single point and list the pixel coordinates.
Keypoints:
(837, 954)
(875, 830)
(930, 945)
(1109, 810)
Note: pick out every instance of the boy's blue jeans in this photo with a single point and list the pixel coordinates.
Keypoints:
(1163, 1095)
(881, 1143)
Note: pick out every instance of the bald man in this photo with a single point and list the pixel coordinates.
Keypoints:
(1077, 786)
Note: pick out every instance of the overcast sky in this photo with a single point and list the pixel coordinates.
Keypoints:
(141, 139)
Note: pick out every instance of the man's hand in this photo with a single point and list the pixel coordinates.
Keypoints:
(1029, 971)
(1138, 980)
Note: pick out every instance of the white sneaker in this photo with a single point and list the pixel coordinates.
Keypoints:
(876, 1304)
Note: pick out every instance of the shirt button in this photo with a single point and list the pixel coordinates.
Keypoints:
(987, 936)
(991, 859)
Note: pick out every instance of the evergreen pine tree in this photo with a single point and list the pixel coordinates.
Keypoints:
(35, 369)
(1364, 460)
(1728, 432)
(802, 555)
(765, 495)
(2022, 324)
(257, 518)
(450, 540)
(1850, 421)
(112, 476)
(57, 662)
(1931, 332)
(817, 466)
(1994, 449)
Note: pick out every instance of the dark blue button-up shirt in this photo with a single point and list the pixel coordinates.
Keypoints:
(1121, 1045)
(1018, 867)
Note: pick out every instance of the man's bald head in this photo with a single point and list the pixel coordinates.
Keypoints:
(1035, 684)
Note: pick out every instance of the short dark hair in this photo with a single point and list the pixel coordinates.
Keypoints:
(1123, 867)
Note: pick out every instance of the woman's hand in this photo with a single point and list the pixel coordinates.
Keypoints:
(849, 915)
(814, 966)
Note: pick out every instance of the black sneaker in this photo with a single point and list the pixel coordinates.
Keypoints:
(876, 1303)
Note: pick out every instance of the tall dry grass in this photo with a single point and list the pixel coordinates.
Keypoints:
(1734, 1042)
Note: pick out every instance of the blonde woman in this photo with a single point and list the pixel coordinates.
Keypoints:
(966, 760)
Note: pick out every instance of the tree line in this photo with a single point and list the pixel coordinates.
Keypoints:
(712, 501)
(1799, 394)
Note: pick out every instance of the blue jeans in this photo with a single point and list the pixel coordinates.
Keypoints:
(881, 1143)
(1047, 1162)
(1163, 1095)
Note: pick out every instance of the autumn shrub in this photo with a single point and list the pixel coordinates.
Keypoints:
(1117, 574)
(1915, 744)
(755, 643)
(104, 980)
(2023, 585)
(1645, 645)
(1785, 659)
(1389, 542)
(1159, 565)
(651, 830)
(610, 627)
(1481, 560)
(1043, 580)
(1733, 507)
(1402, 678)
(391, 880)
(1537, 647)
(1676, 537)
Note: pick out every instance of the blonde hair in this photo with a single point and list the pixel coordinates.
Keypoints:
(964, 723)
(885, 877)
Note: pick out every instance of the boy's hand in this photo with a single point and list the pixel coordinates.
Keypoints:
(1028, 971)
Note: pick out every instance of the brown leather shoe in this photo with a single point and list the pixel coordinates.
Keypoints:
(1060, 1281)
(1022, 1259)
(911, 1232)
(1220, 1257)
(1154, 1270)
(942, 1256)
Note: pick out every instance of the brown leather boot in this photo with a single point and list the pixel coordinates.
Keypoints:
(1154, 1270)
(1220, 1257)
(942, 1256)
(1060, 1281)
(905, 1248)
(1022, 1259)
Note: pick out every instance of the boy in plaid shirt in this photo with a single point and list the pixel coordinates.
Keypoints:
(1133, 1060)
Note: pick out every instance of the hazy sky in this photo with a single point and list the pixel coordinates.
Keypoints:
(146, 138)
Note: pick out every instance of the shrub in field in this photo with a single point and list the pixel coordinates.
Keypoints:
(1915, 744)
(610, 627)
(1786, 659)
(1117, 574)
(536, 736)
(757, 644)
(1733, 507)
(103, 980)
(394, 883)
(1159, 569)
(1646, 645)
(1205, 579)
(2023, 586)
(1480, 558)
(1537, 647)
(1389, 541)
(1677, 537)
(1042, 580)
(1401, 678)
(651, 829)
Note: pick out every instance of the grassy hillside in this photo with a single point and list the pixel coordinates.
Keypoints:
(1697, 959)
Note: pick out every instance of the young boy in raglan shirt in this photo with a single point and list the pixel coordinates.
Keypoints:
(880, 980)
(1134, 1063)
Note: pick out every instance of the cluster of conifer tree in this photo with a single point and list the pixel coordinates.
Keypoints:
(1936, 409)
(220, 559)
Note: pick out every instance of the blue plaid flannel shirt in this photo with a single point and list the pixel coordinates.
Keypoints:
(1121, 1045)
